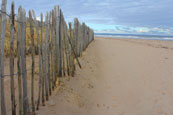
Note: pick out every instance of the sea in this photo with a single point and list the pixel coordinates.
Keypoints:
(136, 36)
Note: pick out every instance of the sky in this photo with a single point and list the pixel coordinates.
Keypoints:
(111, 16)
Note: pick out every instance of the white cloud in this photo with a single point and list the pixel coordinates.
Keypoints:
(155, 15)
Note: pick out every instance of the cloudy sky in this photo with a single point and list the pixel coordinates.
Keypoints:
(119, 16)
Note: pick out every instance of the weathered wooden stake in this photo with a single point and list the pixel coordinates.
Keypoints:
(48, 50)
(13, 103)
(23, 62)
(61, 46)
(42, 50)
(45, 57)
(72, 49)
(18, 62)
(67, 49)
(3, 24)
(33, 61)
(64, 48)
(75, 54)
(53, 51)
(40, 59)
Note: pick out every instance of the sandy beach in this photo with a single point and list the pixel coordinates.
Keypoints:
(118, 77)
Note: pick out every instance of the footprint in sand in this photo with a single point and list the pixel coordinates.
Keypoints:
(166, 58)
(90, 86)
(156, 101)
(163, 93)
(98, 105)
(68, 101)
(106, 106)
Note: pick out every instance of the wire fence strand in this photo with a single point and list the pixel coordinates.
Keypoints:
(15, 74)
(44, 24)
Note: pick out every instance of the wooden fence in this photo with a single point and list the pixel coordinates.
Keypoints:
(54, 47)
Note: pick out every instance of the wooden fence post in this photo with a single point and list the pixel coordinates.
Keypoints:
(76, 34)
(72, 46)
(33, 61)
(75, 55)
(3, 24)
(61, 46)
(87, 36)
(66, 49)
(19, 61)
(49, 58)
(23, 62)
(13, 103)
(45, 56)
(40, 59)
(80, 39)
(53, 51)
(83, 36)
(48, 50)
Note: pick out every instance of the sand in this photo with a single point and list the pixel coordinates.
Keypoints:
(118, 77)
(7, 83)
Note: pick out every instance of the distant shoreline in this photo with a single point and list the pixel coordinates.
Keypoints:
(134, 36)
(146, 35)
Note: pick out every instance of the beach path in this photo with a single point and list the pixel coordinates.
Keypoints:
(118, 77)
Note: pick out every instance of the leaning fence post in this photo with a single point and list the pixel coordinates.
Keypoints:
(67, 49)
(74, 51)
(72, 46)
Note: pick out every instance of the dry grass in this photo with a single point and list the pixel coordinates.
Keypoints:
(28, 38)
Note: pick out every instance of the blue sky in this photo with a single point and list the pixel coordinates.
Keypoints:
(119, 16)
